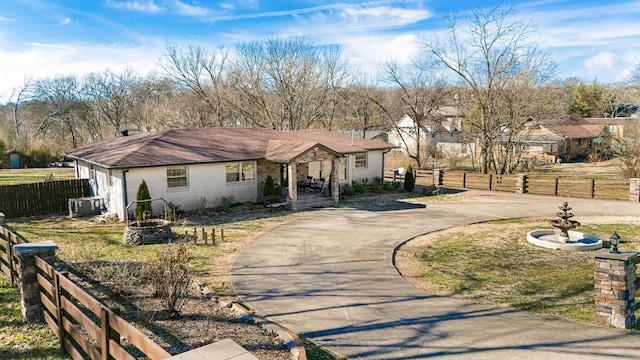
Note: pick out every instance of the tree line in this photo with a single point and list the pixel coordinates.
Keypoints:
(486, 65)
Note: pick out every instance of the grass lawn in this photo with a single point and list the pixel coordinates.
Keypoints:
(23, 176)
(493, 263)
(18, 339)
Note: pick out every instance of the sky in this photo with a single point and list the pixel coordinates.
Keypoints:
(593, 40)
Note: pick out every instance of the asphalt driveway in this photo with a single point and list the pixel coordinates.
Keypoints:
(330, 277)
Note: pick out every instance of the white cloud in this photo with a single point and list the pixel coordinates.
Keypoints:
(397, 15)
(65, 21)
(49, 60)
(189, 10)
(148, 6)
(369, 52)
(4, 19)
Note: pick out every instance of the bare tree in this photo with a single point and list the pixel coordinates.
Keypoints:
(108, 95)
(286, 83)
(202, 72)
(22, 94)
(63, 110)
(489, 51)
(421, 92)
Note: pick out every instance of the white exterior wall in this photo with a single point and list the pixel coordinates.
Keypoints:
(105, 183)
(374, 167)
(203, 181)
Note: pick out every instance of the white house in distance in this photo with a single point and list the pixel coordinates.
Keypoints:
(438, 128)
(183, 166)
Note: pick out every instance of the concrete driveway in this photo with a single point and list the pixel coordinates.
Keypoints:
(330, 278)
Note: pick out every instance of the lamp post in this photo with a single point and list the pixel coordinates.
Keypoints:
(615, 240)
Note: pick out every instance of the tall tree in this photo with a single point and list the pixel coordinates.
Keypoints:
(286, 83)
(201, 72)
(421, 92)
(492, 54)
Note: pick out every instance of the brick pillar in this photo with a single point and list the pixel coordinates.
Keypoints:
(27, 281)
(438, 177)
(634, 190)
(615, 276)
(522, 183)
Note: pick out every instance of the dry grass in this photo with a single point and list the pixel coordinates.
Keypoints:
(493, 263)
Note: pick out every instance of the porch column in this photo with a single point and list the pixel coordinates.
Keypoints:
(292, 174)
(335, 187)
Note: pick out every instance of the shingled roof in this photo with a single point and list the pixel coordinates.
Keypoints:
(208, 145)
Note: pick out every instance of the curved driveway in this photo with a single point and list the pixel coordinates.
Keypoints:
(330, 277)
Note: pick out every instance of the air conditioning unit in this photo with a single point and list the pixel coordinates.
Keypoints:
(86, 206)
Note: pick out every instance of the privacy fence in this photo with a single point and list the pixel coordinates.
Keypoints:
(43, 198)
(87, 329)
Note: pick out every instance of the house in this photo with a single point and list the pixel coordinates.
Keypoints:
(581, 134)
(405, 133)
(187, 165)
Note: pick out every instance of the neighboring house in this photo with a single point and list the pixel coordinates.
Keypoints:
(544, 145)
(187, 165)
(405, 133)
(582, 136)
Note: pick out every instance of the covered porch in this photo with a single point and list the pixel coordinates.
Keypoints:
(301, 173)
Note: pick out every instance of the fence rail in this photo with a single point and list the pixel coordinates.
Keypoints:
(537, 184)
(43, 198)
(86, 327)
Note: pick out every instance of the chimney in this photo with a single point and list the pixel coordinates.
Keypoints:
(125, 132)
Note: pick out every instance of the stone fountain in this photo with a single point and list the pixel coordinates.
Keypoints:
(563, 237)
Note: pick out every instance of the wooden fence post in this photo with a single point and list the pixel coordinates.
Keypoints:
(593, 188)
(213, 235)
(464, 180)
(490, 181)
(59, 313)
(557, 183)
(221, 235)
(204, 236)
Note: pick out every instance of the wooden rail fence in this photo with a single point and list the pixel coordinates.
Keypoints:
(87, 329)
(537, 184)
(43, 198)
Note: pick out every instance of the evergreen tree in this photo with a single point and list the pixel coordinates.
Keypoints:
(143, 209)
(269, 187)
(409, 180)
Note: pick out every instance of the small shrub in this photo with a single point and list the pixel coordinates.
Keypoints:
(201, 206)
(409, 180)
(269, 187)
(173, 212)
(359, 188)
(122, 277)
(377, 187)
(170, 276)
(143, 209)
(38, 157)
(348, 190)
(227, 203)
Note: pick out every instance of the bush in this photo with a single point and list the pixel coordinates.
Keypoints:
(409, 180)
(173, 212)
(201, 206)
(170, 276)
(359, 188)
(377, 187)
(38, 157)
(348, 190)
(269, 187)
(143, 209)
(227, 203)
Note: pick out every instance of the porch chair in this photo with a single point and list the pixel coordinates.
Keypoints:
(317, 186)
(305, 184)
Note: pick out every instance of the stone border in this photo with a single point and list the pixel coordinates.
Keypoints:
(291, 339)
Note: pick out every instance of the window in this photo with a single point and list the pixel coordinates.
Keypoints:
(241, 171)
(176, 177)
(361, 160)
